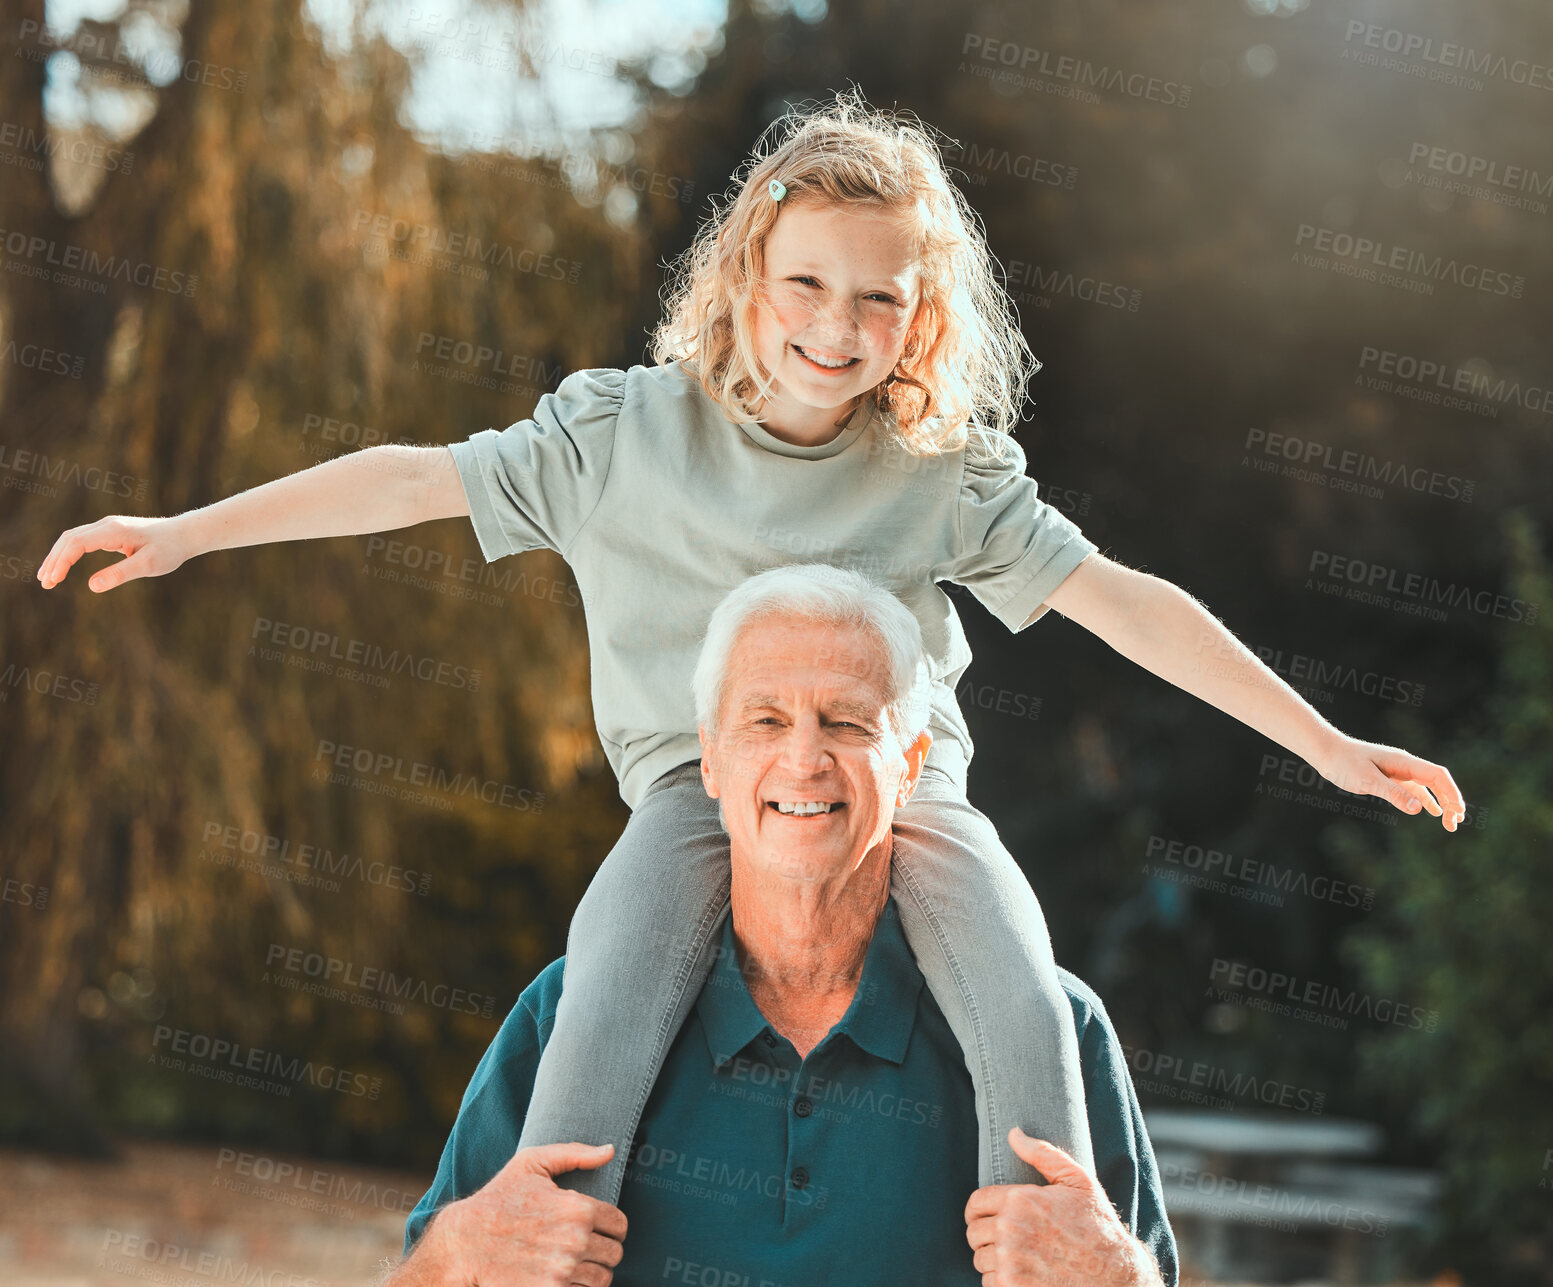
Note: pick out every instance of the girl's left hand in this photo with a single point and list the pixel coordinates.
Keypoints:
(1369, 768)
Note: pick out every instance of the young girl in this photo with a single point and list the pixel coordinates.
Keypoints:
(832, 346)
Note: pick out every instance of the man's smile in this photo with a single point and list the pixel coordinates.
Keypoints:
(806, 808)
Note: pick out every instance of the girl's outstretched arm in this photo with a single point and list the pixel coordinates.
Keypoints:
(376, 489)
(1164, 629)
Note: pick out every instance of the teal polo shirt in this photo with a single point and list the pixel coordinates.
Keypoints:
(754, 1168)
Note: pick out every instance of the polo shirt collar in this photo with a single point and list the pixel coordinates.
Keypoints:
(879, 1020)
(728, 1013)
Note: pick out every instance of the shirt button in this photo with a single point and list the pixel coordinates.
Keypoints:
(804, 1106)
(800, 1177)
(768, 1038)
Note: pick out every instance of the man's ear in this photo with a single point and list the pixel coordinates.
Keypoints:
(916, 756)
(707, 778)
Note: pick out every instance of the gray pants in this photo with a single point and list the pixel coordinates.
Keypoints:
(640, 949)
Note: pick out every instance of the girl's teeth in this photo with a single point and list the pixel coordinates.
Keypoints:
(833, 363)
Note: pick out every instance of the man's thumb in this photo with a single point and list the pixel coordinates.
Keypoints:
(1054, 1163)
(554, 1159)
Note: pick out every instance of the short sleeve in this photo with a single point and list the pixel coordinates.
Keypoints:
(534, 484)
(1124, 1158)
(490, 1119)
(1015, 549)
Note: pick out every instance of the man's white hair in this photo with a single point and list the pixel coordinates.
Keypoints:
(828, 596)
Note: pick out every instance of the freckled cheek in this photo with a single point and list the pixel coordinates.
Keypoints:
(791, 317)
(886, 338)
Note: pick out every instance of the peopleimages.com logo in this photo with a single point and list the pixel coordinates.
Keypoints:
(1287, 994)
(222, 1059)
(138, 1256)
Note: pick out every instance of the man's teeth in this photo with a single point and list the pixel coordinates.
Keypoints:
(804, 807)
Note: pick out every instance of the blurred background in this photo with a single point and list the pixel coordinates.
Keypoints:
(1289, 269)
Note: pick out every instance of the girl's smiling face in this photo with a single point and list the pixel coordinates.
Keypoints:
(842, 282)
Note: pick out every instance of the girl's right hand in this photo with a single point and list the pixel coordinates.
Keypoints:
(155, 546)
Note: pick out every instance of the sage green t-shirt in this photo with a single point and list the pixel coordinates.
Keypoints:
(661, 505)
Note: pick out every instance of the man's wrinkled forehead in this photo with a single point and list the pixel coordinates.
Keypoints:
(848, 665)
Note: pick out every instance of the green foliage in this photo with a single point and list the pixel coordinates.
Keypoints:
(1465, 932)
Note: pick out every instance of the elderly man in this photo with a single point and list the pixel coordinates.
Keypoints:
(814, 1122)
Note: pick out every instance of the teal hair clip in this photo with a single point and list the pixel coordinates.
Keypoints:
(777, 189)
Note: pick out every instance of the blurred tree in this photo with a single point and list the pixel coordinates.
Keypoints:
(255, 188)
(1465, 932)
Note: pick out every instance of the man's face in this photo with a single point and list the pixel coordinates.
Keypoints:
(842, 282)
(803, 721)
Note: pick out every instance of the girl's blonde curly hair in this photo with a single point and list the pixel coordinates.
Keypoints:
(965, 362)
